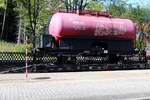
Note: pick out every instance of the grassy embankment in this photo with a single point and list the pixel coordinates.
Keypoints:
(12, 47)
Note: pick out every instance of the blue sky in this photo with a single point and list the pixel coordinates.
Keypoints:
(142, 3)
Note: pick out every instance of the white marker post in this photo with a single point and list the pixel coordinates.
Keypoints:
(26, 57)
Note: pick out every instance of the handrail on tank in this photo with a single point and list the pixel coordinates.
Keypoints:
(82, 12)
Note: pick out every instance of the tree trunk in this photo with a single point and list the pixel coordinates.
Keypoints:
(3, 24)
(19, 30)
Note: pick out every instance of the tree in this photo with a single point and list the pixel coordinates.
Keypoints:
(142, 21)
(2, 4)
(4, 18)
(33, 9)
(9, 21)
(52, 5)
(116, 7)
(35, 13)
(75, 4)
(95, 5)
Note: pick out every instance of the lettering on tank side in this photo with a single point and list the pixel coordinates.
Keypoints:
(102, 29)
(121, 26)
(71, 19)
(78, 25)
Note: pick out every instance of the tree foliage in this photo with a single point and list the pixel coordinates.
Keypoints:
(2, 3)
(29, 16)
(141, 17)
(33, 9)
(75, 4)
(8, 20)
(95, 6)
(117, 7)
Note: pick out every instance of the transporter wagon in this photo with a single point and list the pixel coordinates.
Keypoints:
(82, 37)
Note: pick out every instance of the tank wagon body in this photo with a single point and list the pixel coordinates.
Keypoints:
(72, 24)
(87, 31)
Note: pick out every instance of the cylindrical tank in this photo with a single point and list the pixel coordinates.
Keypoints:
(71, 24)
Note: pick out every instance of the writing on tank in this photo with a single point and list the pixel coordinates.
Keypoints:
(103, 28)
(79, 25)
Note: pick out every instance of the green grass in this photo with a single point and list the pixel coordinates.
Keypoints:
(12, 47)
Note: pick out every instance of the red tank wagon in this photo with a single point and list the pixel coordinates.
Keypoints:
(72, 24)
(92, 30)
(87, 25)
(90, 37)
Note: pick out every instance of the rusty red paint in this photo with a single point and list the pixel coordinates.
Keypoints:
(72, 24)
